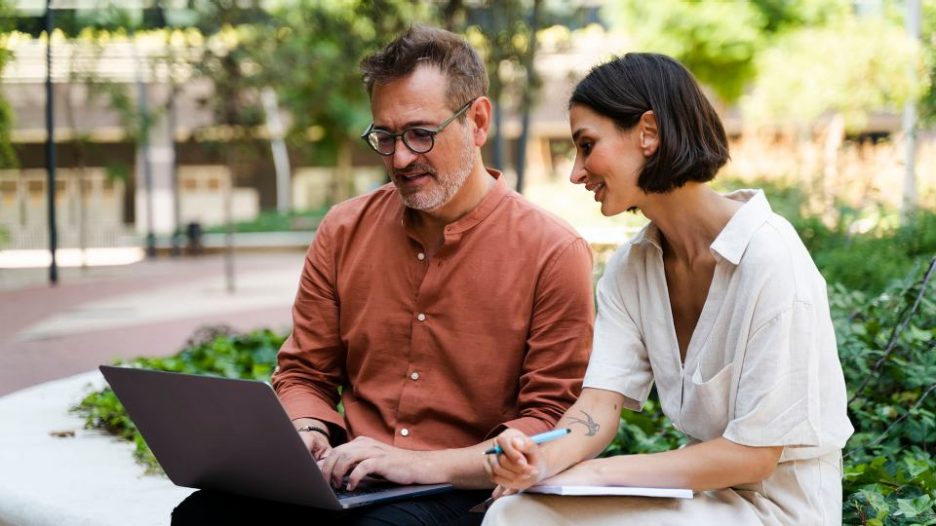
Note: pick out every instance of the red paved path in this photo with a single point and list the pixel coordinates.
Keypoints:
(25, 363)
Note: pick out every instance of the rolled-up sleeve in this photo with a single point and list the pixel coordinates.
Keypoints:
(777, 398)
(559, 341)
(310, 364)
(619, 359)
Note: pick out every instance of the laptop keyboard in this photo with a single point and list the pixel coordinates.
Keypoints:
(361, 490)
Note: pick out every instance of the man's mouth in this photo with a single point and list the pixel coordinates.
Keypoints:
(411, 176)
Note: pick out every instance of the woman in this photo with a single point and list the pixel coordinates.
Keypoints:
(716, 301)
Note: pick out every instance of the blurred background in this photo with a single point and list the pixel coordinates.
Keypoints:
(136, 135)
(174, 118)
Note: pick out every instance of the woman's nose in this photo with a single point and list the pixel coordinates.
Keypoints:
(578, 175)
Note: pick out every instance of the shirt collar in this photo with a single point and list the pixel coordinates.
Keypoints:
(487, 205)
(648, 235)
(734, 239)
(483, 209)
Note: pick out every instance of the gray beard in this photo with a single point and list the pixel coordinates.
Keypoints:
(446, 187)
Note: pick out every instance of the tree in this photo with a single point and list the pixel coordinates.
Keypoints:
(7, 154)
(505, 33)
(718, 41)
(928, 98)
(862, 68)
(310, 52)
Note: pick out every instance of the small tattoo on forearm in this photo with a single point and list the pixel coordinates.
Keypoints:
(591, 426)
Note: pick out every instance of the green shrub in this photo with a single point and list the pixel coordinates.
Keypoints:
(887, 346)
(216, 351)
(272, 221)
(864, 249)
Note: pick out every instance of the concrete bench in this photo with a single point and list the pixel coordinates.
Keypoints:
(90, 478)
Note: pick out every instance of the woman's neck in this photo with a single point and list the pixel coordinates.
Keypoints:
(689, 219)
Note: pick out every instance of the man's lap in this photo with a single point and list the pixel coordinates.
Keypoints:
(448, 509)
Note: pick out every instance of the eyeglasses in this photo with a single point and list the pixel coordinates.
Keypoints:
(418, 140)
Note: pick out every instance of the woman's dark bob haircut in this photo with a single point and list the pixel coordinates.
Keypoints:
(692, 142)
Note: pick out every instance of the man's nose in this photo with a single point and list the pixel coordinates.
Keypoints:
(402, 155)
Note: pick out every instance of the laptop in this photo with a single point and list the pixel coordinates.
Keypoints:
(234, 436)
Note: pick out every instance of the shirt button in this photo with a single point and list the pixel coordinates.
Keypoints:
(421, 317)
(420, 256)
(404, 432)
(414, 376)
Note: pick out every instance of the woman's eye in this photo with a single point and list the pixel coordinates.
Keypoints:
(585, 147)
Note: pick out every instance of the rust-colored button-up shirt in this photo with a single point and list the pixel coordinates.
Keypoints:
(439, 352)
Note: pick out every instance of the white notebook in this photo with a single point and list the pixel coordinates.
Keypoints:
(676, 493)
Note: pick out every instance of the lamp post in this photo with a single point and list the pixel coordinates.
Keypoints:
(50, 146)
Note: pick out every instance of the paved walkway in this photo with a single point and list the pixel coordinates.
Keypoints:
(53, 338)
(149, 308)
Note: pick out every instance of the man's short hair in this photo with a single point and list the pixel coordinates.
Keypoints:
(422, 45)
(692, 141)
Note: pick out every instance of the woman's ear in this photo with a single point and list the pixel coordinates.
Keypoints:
(649, 133)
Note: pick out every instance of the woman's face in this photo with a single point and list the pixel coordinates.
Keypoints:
(607, 160)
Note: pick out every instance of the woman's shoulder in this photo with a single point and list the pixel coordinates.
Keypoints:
(777, 258)
(630, 258)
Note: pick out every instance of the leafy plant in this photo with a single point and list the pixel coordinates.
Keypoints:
(887, 345)
(273, 221)
(213, 351)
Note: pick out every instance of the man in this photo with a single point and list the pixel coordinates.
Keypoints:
(443, 306)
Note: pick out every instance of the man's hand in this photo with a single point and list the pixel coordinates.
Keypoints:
(316, 442)
(365, 456)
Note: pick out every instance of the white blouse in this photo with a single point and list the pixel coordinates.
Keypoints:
(762, 366)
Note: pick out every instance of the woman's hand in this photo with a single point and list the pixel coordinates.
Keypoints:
(521, 464)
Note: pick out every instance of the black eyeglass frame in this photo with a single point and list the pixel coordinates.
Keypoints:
(430, 132)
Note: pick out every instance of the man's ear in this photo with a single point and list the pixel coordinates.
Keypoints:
(480, 115)
(649, 133)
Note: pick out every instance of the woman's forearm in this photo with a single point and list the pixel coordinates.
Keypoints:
(593, 420)
(714, 464)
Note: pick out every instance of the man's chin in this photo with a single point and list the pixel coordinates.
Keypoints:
(420, 201)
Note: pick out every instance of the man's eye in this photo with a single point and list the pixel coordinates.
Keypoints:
(419, 133)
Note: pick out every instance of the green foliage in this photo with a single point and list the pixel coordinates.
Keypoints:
(928, 34)
(887, 344)
(214, 351)
(717, 41)
(864, 249)
(863, 67)
(272, 221)
(311, 51)
(647, 431)
(8, 157)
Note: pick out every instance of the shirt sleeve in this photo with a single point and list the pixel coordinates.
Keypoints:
(559, 340)
(619, 360)
(777, 399)
(311, 362)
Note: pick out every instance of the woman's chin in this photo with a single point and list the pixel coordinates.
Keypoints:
(608, 210)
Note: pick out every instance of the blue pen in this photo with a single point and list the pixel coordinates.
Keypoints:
(538, 439)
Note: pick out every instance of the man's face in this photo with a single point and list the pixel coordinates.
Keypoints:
(429, 180)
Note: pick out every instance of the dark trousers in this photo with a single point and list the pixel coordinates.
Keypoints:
(442, 509)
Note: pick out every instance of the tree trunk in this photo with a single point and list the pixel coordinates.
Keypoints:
(342, 181)
(527, 99)
(229, 270)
